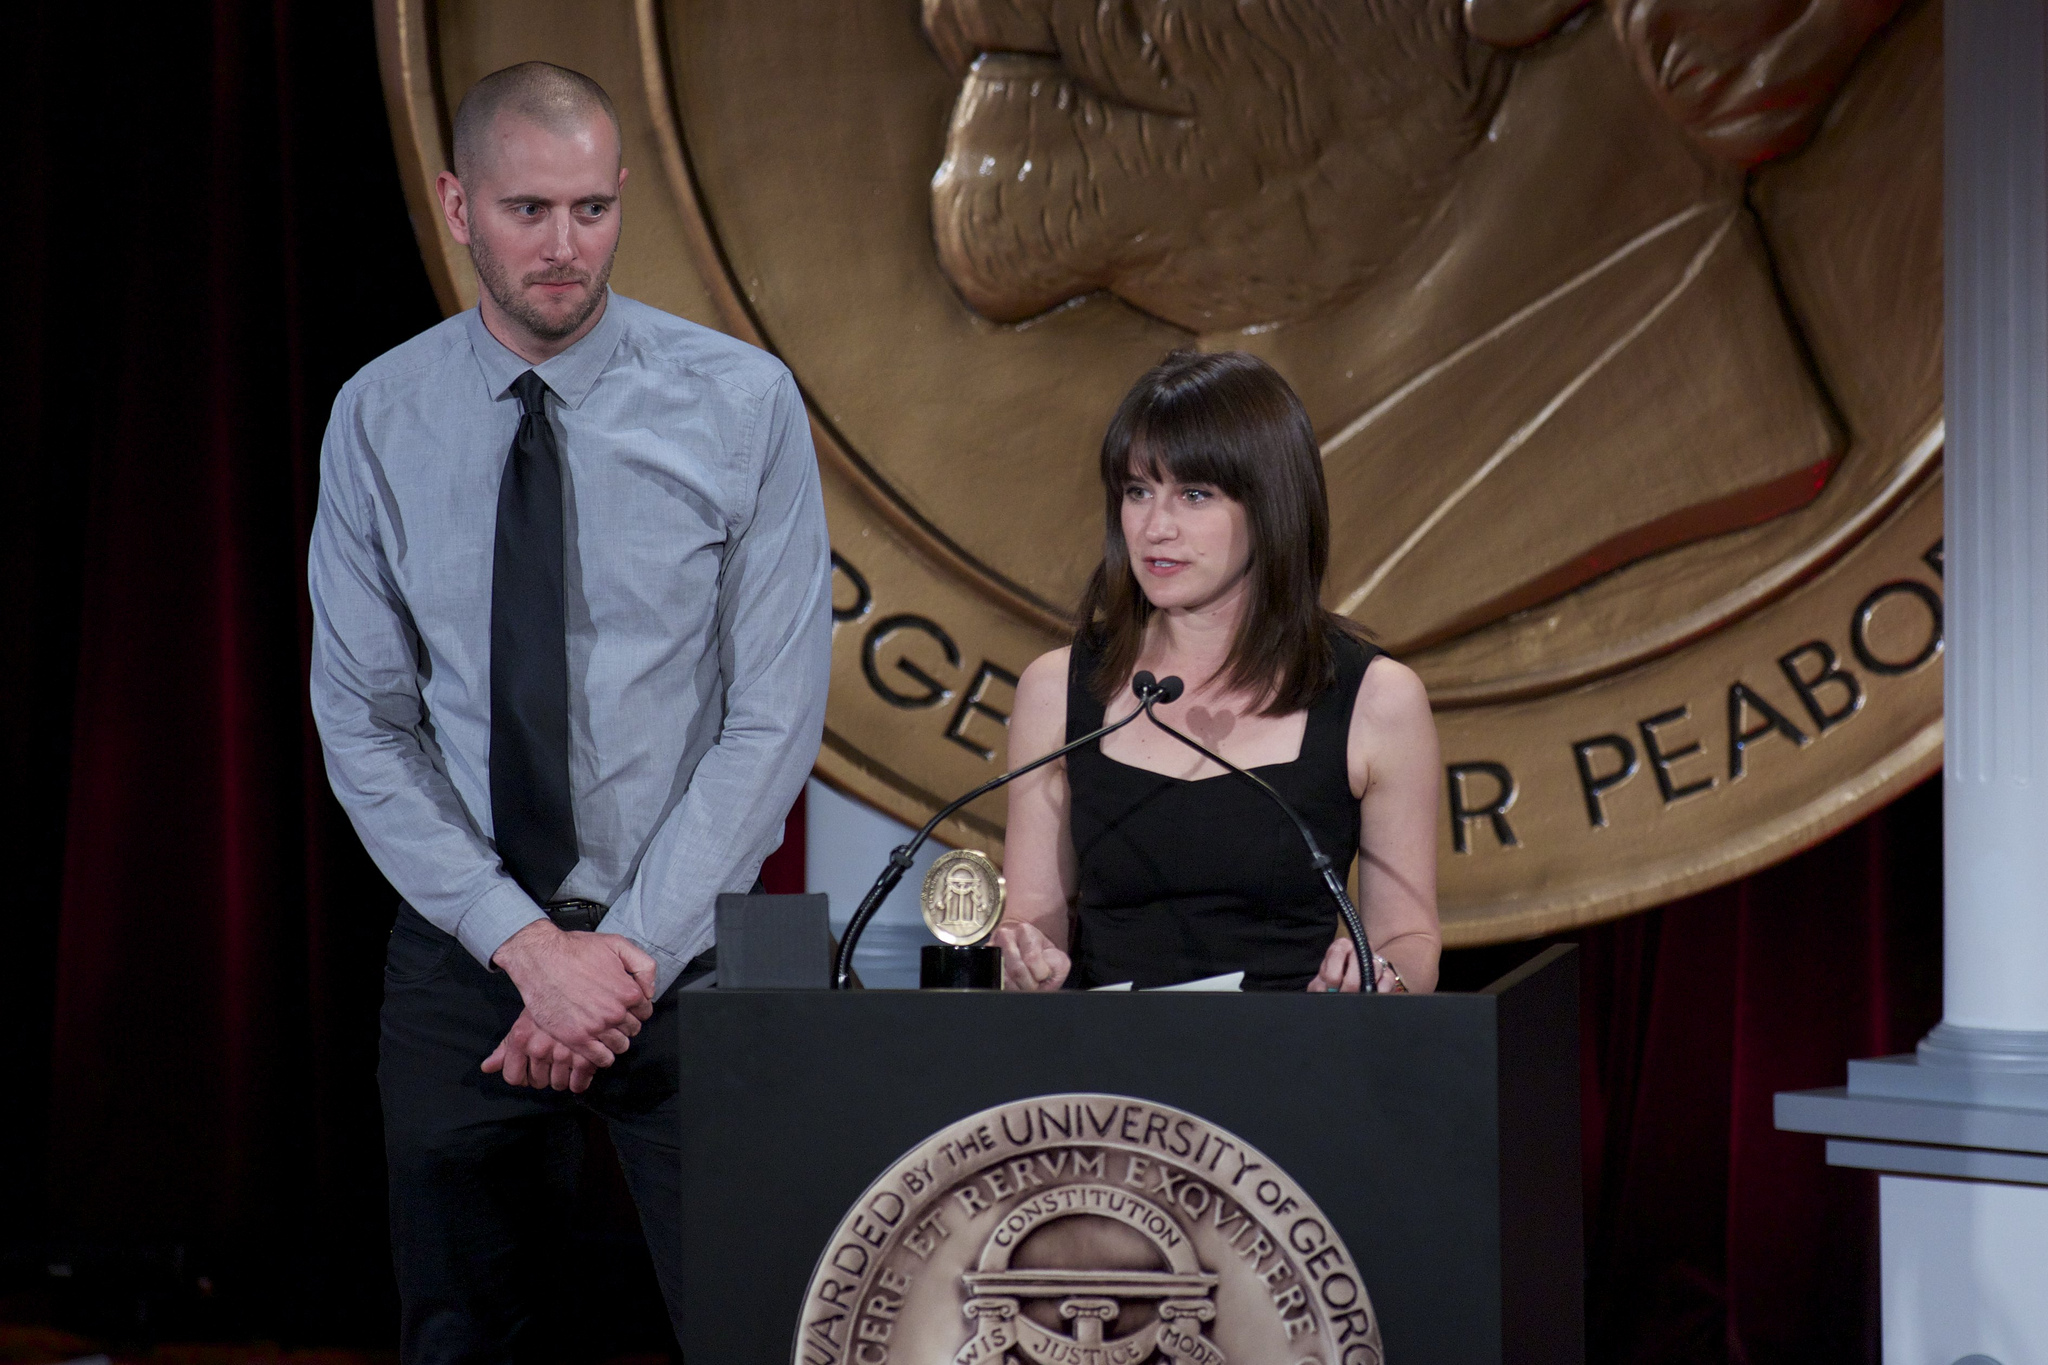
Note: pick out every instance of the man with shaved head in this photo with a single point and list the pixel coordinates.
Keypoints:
(532, 95)
(572, 628)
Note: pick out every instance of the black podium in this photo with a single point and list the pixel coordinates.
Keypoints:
(1438, 1135)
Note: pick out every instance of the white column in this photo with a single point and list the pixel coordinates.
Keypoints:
(1965, 1258)
(1995, 941)
(1964, 1266)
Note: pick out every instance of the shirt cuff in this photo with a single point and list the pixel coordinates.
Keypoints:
(498, 914)
(667, 965)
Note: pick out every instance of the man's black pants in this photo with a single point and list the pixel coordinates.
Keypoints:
(483, 1173)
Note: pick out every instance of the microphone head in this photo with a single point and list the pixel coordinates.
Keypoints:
(1170, 688)
(1143, 685)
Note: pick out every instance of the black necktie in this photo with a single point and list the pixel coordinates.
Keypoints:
(530, 659)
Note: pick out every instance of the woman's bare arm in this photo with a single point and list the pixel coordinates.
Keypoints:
(1038, 850)
(1394, 766)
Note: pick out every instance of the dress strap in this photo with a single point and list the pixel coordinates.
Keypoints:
(1329, 716)
(1354, 656)
(1084, 713)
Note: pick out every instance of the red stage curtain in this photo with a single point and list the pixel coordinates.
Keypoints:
(214, 242)
(214, 238)
(1710, 1235)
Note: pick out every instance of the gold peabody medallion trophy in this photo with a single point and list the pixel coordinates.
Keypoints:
(1620, 325)
(963, 903)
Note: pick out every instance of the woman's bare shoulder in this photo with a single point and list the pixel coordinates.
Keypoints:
(1042, 691)
(1391, 699)
(1038, 718)
(1392, 729)
(1045, 676)
(1390, 684)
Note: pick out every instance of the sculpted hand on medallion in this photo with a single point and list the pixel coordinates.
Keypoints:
(1502, 248)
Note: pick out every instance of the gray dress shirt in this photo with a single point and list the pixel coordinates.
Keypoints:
(699, 618)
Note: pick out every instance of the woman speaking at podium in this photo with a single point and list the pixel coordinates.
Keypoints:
(1135, 858)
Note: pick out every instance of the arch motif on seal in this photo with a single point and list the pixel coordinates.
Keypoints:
(1091, 1299)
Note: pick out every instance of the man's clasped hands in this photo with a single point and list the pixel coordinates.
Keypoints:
(586, 996)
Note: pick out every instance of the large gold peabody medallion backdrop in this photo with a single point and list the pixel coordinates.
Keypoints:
(1086, 1230)
(1620, 324)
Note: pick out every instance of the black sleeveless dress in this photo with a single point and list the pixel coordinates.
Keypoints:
(1182, 879)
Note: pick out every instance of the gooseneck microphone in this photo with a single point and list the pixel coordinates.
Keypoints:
(1167, 690)
(1147, 690)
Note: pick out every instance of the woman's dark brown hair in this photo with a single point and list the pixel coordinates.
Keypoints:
(1226, 419)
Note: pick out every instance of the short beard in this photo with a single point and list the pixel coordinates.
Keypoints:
(497, 282)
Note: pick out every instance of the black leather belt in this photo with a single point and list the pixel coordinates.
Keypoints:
(579, 916)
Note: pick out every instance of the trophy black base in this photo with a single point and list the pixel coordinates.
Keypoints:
(954, 967)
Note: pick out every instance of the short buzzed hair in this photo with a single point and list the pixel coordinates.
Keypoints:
(554, 97)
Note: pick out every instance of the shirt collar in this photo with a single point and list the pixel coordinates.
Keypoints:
(570, 375)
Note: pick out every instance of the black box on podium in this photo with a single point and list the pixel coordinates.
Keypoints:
(1140, 1166)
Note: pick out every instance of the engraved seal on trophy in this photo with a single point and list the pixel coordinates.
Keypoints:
(963, 897)
(1086, 1228)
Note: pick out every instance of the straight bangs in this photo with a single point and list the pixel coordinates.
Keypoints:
(1228, 420)
(1166, 445)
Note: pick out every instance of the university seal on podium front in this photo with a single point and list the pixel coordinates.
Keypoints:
(1619, 323)
(1086, 1230)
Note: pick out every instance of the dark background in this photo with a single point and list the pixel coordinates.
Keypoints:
(209, 237)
